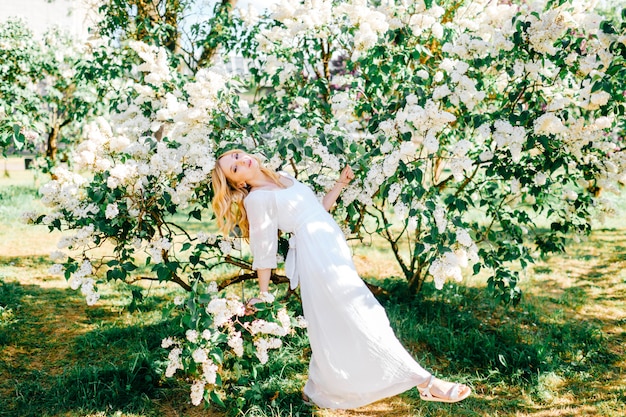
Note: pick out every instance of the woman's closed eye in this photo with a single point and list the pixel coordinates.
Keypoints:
(236, 156)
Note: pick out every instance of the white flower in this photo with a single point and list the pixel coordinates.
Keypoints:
(301, 322)
(174, 362)
(75, 282)
(448, 266)
(212, 288)
(199, 356)
(261, 353)
(422, 74)
(440, 218)
(548, 124)
(463, 237)
(197, 392)
(92, 298)
(223, 310)
(202, 237)
(570, 195)
(209, 371)
(236, 343)
(57, 255)
(599, 98)
(394, 192)
(29, 217)
(485, 156)
(56, 269)
(262, 346)
(111, 211)
(225, 247)
(540, 179)
(260, 326)
(515, 186)
(167, 342)
(284, 319)
(192, 335)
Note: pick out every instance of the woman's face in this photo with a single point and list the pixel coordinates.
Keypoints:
(238, 167)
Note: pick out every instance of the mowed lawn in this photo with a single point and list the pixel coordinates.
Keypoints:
(559, 353)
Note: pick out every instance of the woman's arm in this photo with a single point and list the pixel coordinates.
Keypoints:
(344, 179)
(263, 276)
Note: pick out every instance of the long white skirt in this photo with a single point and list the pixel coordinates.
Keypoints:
(356, 357)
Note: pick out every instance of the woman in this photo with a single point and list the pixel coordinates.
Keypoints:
(356, 358)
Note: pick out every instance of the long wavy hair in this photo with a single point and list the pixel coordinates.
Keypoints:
(228, 198)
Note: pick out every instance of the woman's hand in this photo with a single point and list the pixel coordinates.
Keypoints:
(344, 179)
(250, 308)
(346, 175)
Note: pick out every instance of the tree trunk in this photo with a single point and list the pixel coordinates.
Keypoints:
(158, 12)
(52, 143)
(209, 52)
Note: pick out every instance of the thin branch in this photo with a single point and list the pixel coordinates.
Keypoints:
(275, 278)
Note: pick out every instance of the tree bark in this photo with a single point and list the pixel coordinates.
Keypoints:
(209, 53)
(52, 143)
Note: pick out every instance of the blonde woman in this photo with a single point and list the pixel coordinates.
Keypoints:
(356, 358)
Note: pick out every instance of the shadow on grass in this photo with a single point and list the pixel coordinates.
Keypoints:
(57, 359)
(462, 330)
(61, 357)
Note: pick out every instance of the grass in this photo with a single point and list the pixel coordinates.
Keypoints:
(561, 352)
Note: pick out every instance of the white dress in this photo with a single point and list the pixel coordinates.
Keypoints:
(356, 358)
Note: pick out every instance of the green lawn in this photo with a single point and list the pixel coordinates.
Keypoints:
(559, 353)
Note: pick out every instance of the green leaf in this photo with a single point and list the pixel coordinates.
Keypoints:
(216, 399)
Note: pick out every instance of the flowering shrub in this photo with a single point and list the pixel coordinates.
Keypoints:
(472, 126)
(222, 342)
(481, 134)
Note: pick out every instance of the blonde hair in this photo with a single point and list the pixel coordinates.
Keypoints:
(228, 198)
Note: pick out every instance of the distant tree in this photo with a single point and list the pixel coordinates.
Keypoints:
(22, 58)
(44, 98)
(193, 30)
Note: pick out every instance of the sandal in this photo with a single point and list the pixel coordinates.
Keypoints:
(454, 394)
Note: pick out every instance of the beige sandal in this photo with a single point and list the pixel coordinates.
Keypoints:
(454, 394)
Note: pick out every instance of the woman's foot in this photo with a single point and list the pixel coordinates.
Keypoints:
(436, 389)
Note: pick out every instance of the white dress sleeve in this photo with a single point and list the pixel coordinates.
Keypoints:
(263, 220)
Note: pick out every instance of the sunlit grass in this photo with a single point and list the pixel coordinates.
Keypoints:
(559, 353)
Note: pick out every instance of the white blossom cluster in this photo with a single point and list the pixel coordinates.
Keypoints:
(460, 88)
(424, 123)
(83, 279)
(224, 310)
(226, 313)
(546, 28)
(450, 265)
(505, 137)
(126, 149)
(200, 355)
(322, 19)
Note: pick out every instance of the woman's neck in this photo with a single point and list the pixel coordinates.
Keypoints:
(265, 182)
(261, 181)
